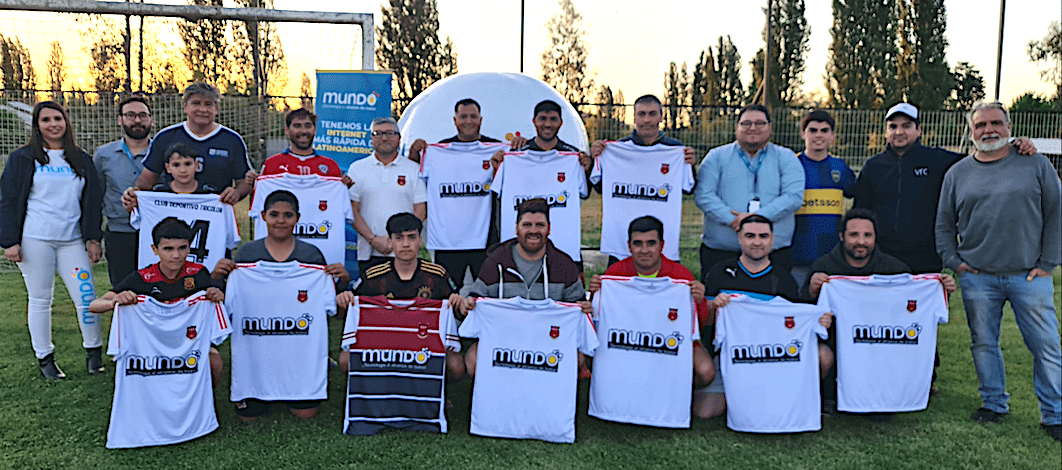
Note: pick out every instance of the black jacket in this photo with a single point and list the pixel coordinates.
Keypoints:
(14, 193)
(834, 264)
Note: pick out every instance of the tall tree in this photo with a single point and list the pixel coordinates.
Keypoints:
(207, 49)
(728, 69)
(861, 65)
(306, 92)
(272, 63)
(56, 69)
(564, 60)
(923, 77)
(16, 65)
(790, 35)
(164, 66)
(1049, 51)
(703, 87)
(676, 83)
(409, 44)
(969, 87)
(107, 68)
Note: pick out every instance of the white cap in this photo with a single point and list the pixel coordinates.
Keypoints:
(903, 108)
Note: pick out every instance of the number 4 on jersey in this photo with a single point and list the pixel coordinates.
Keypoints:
(197, 250)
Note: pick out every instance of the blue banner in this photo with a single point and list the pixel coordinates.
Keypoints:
(346, 104)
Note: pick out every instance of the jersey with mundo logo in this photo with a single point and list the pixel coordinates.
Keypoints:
(222, 154)
(397, 376)
(324, 208)
(637, 181)
(213, 223)
(279, 313)
(886, 339)
(527, 367)
(817, 219)
(554, 176)
(162, 384)
(458, 177)
(769, 358)
(643, 367)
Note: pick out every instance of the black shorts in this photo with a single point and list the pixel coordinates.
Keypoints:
(253, 407)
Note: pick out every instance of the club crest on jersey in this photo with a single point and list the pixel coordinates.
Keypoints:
(323, 169)
(424, 292)
(277, 326)
(526, 359)
(672, 314)
(554, 332)
(664, 168)
(886, 334)
(758, 353)
(401, 180)
(912, 305)
(422, 331)
(162, 365)
(790, 322)
(645, 341)
(486, 164)
(322, 205)
(189, 283)
(303, 296)
(560, 177)
(191, 333)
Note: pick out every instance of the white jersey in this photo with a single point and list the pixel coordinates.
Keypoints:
(458, 177)
(397, 376)
(280, 334)
(213, 223)
(527, 367)
(769, 359)
(554, 176)
(637, 181)
(886, 339)
(643, 369)
(162, 385)
(324, 207)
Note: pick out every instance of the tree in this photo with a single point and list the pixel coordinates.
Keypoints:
(1031, 102)
(923, 77)
(272, 63)
(704, 86)
(790, 35)
(1048, 50)
(675, 96)
(56, 69)
(969, 86)
(728, 69)
(16, 65)
(861, 63)
(564, 60)
(409, 45)
(108, 60)
(164, 67)
(207, 47)
(306, 92)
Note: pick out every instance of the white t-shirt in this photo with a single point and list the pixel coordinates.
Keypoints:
(397, 375)
(886, 339)
(279, 313)
(213, 222)
(324, 208)
(383, 191)
(637, 181)
(53, 209)
(554, 176)
(769, 358)
(527, 367)
(458, 177)
(162, 385)
(643, 369)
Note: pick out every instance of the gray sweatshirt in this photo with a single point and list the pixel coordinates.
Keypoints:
(1002, 217)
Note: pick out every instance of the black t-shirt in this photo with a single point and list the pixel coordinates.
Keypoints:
(730, 276)
(561, 146)
(192, 278)
(429, 281)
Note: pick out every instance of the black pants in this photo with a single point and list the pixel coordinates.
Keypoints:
(455, 262)
(781, 259)
(121, 250)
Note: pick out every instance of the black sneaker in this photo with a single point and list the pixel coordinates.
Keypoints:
(829, 407)
(48, 368)
(985, 415)
(1055, 431)
(94, 361)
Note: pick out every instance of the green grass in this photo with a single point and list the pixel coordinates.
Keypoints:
(64, 424)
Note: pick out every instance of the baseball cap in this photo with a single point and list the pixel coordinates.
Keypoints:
(903, 108)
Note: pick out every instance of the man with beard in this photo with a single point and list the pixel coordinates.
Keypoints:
(119, 163)
(999, 228)
(300, 159)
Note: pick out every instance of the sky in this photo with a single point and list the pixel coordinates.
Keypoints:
(631, 42)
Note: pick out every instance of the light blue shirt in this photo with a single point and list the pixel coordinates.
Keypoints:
(728, 179)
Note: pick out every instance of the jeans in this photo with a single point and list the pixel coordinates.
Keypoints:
(1034, 310)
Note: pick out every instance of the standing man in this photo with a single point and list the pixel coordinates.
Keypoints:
(999, 227)
(222, 152)
(547, 121)
(648, 112)
(748, 176)
(825, 179)
(467, 120)
(119, 163)
(300, 126)
(383, 185)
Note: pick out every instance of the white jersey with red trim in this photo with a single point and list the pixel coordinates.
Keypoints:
(769, 359)
(643, 369)
(554, 176)
(397, 376)
(458, 177)
(213, 223)
(279, 313)
(162, 385)
(637, 181)
(886, 339)
(527, 367)
(324, 207)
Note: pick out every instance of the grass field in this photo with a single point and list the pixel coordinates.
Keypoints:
(63, 424)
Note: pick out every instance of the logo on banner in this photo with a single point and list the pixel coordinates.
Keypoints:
(672, 314)
(560, 177)
(303, 296)
(790, 322)
(664, 168)
(401, 180)
(322, 205)
(191, 333)
(912, 305)
(554, 332)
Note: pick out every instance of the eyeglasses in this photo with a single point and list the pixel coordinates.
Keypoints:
(385, 133)
(748, 124)
(133, 116)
